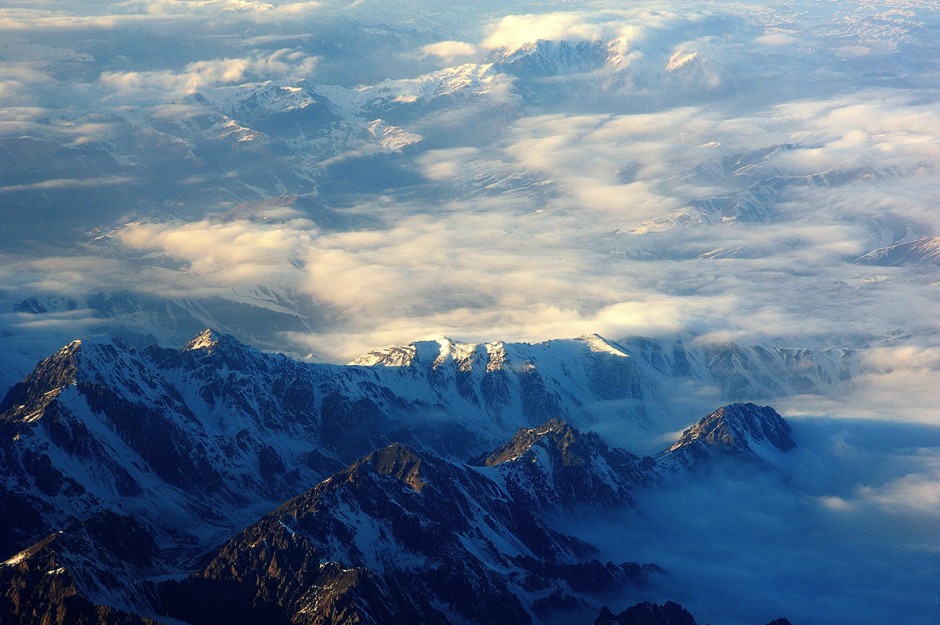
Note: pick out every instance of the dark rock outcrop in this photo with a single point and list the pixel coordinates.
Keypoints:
(647, 613)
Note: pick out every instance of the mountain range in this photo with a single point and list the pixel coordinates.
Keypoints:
(217, 482)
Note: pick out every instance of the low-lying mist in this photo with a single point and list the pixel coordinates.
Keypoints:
(844, 530)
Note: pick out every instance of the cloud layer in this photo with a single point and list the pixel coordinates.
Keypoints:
(840, 531)
(713, 172)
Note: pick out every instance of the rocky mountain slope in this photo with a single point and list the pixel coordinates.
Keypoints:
(88, 572)
(398, 536)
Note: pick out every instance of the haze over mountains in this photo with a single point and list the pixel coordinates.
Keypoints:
(733, 205)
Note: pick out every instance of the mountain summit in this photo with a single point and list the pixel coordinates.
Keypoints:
(555, 464)
(207, 339)
(744, 430)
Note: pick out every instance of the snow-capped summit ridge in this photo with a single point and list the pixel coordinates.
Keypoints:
(440, 349)
(552, 57)
(598, 343)
(435, 352)
(211, 341)
(266, 97)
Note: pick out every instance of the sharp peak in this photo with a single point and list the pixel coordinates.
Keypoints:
(68, 350)
(209, 340)
(525, 438)
(555, 424)
(69, 353)
(206, 339)
(397, 449)
(47, 378)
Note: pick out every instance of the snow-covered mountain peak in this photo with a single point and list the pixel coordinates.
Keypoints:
(394, 356)
(546, 57)
(554, 464)
(556, 429)
(597, 343)
(68, 350)
(472, 79)
(208, 339)
(27, 400)
(449, 350)
(268, 97)
(236, 354)
(392, 138)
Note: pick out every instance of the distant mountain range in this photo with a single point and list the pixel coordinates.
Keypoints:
(256, 150)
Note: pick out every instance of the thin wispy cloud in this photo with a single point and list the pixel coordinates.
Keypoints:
(68, 183)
